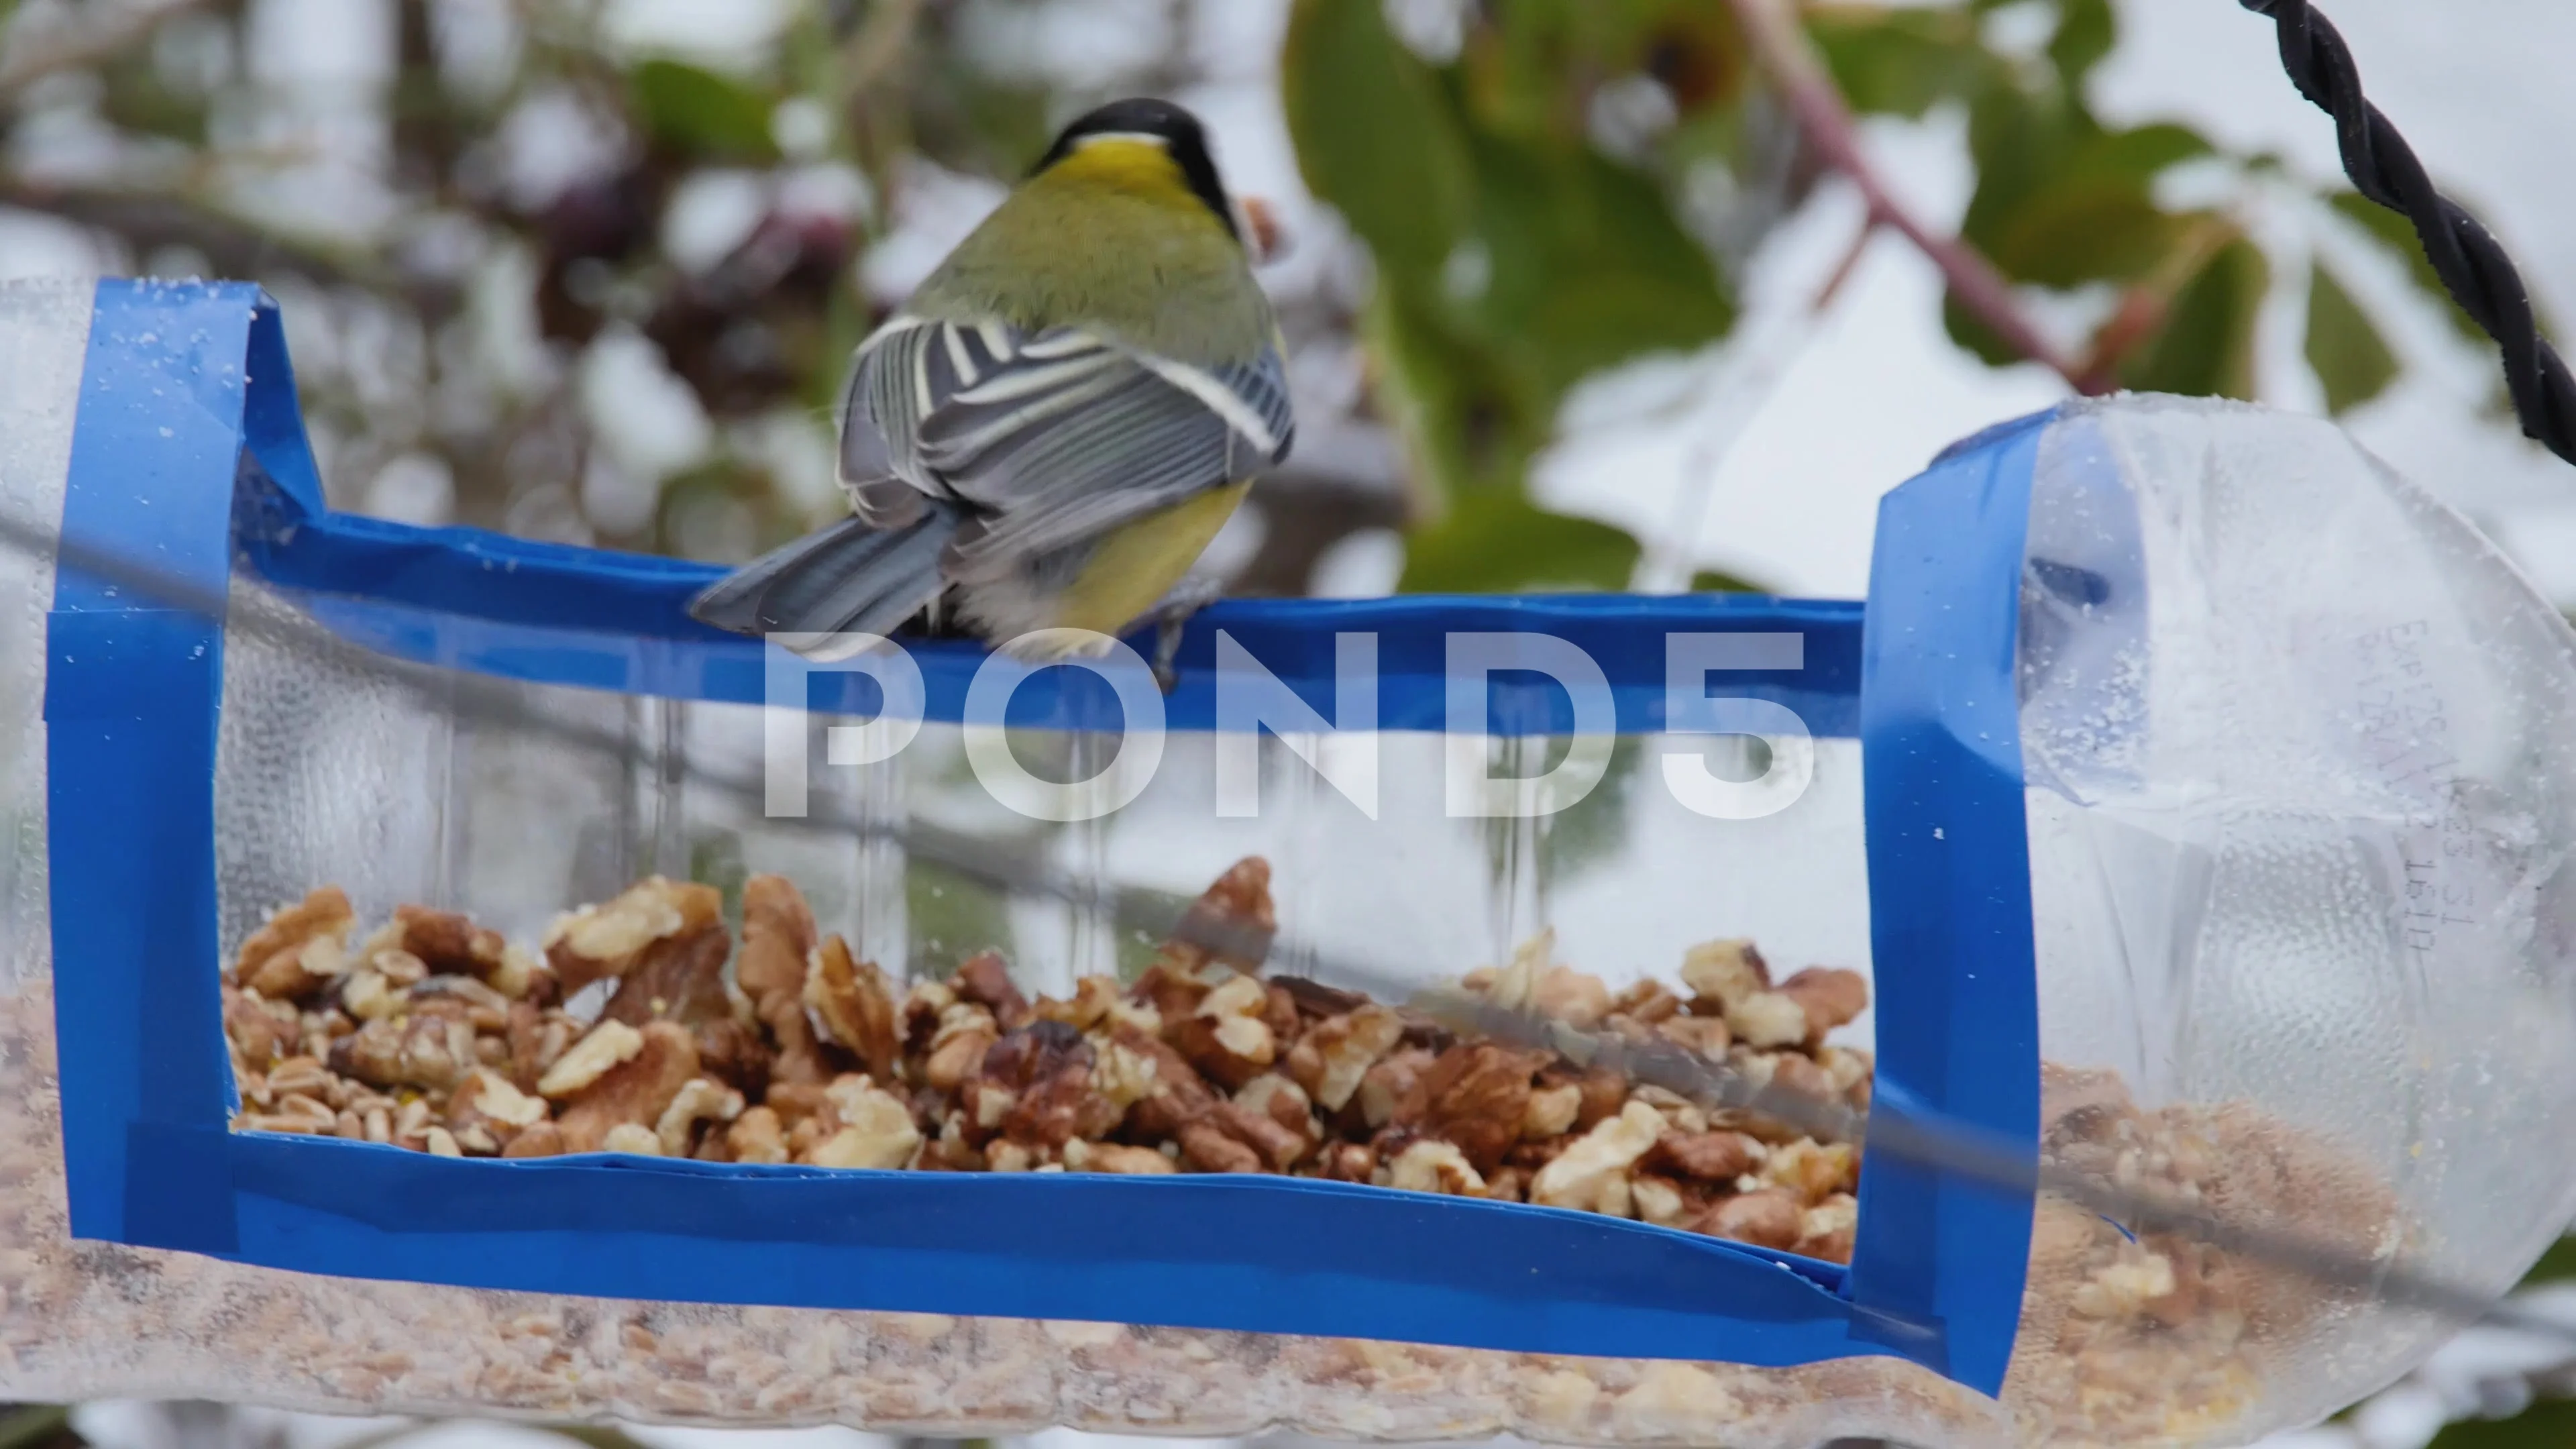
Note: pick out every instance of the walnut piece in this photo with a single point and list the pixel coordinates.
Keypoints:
(1391, 1090)
(606, 940)
(1719, 1156)
(1813, 1170)
(855, 1004)
(985, 980)
(299, 950)
(1093, 999)
(632, 1138)
(1767, 1020)
(1582, 1175)
(1230, 924)
(778, 942)
(487, 1102)
(1228, 1037)
(609, 1044)
(261, 1030)
(449, 943)
(679, 977)
(1721, 973)
(876, 1130)
(1035, 1087)
(1475, 1097)
(1112, 1157)
(1827, 1230)
(1431, 1165)
(1551, 1112)
(1208, 1147)
(756, 1136)
(634, 1092)
(426, 1050)
(1831, 998)
(699, 1100)
(1767, 1218)
(1345, 1047)
(543, 1139)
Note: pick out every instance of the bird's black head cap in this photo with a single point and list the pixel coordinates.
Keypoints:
(1178, 130)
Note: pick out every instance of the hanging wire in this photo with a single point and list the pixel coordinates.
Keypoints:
(1948, 1146)
(2471, 264)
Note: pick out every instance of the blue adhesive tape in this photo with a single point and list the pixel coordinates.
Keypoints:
(1951, 936)
(131, 692)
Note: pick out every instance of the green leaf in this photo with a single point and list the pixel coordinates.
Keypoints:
(2142, 152)
(1589, 269)
(1901, 62)
(133, 95)
(1972, 335)
(2555, 1265)
(2086, 31)
(1594, 830)
(2395, 232)
(1714, 581)
(2206, 348)
(1375, 135)
(2077, 206)
(701, 113)
(2546, 1425)
(716, 859)
(2088, 228)
(2350, 357)
(1497, 541)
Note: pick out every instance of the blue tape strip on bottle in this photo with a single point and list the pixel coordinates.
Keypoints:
(190, 455)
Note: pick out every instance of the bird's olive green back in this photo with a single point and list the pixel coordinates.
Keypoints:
(1110, 239)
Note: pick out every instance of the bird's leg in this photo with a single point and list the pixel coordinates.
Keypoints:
(1171, 618)
(938, 623)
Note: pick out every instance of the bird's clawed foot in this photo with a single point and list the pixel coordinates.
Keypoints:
(1171, 619)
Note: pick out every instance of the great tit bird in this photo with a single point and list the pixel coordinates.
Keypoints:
(1054, 427)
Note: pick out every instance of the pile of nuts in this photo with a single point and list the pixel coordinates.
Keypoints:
(2156, 1333)
(2149, 1339)
(435, 1034)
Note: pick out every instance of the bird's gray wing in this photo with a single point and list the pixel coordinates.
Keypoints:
(1053, 438)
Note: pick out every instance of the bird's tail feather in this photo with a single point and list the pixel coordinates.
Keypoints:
(849, 578)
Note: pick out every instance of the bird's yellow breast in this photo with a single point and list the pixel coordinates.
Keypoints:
(1133, 568)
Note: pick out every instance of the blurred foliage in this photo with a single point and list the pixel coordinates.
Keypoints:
(2549, 1425)
(700, 115)
(1517, 249)
(1538, 191)
(2555, 1266)
(1512, 257)
(2351, 360)
(2068, 204)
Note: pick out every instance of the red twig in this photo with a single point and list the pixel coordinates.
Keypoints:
(1842, 274)
(1782, 45)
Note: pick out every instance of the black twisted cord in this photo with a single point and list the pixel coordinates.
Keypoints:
(2472, 266)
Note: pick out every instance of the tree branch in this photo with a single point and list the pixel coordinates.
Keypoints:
(2141, 313)
(877, 46)
(1782, 46)
(235, 246)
